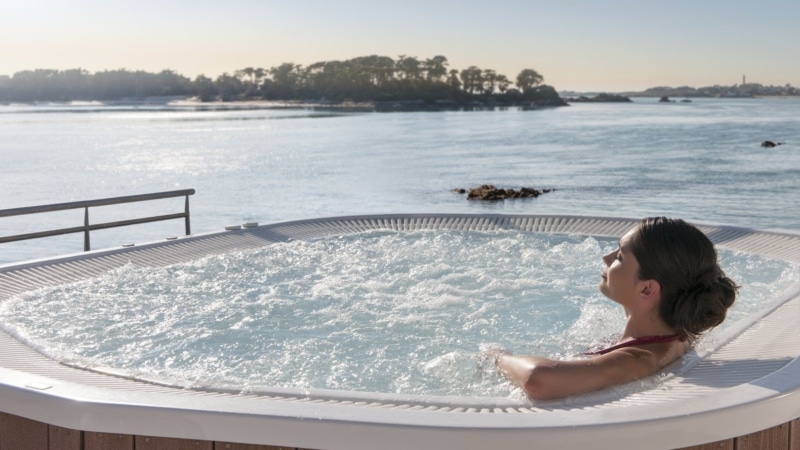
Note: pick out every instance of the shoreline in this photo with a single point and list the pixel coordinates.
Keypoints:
(377, 106)
(196, 103)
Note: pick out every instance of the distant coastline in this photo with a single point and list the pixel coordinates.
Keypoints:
(370, 82)
(748, 90)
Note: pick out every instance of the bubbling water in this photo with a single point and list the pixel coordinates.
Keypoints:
(382, 311)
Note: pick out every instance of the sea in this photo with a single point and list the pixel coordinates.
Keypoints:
(378, 312)
(700, 160)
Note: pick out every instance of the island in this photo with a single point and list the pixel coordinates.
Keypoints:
(379, 82)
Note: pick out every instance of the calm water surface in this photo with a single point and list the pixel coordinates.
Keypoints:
(700, 161)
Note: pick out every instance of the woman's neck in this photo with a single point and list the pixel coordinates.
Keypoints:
(645, 325)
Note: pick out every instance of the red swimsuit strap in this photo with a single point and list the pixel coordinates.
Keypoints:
(644, 340)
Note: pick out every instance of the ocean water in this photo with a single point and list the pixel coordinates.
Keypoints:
(700, 161)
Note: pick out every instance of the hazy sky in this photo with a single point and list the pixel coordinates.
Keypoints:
(610, 45)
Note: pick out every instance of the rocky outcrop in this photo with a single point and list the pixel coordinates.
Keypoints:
(491, 193)
(600, 98)
(544, 95)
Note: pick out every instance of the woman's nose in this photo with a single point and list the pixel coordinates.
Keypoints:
(608, 258)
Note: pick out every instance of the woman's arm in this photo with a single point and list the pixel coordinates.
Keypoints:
(547, 379)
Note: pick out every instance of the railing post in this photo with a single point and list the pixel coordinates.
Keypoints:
(186, 208)
(87, 227)
(86, 245)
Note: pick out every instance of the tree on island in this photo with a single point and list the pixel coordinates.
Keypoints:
(435, 68)
(472, 79)
(528, 79)
(503, 83)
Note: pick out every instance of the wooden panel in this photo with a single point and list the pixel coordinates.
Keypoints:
(775, 438)
(107, 441)
(159, 443)
(18, 433)
(794, 435)
(234, 446)
(65, 439)
(719, 445)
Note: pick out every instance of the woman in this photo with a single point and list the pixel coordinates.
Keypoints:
(666, 277)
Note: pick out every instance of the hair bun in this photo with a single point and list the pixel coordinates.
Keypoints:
(703, 305)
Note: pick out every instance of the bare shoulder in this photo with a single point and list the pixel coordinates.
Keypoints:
(641, 361)
(628, 363)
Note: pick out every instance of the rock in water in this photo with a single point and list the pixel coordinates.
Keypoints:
(491, 192)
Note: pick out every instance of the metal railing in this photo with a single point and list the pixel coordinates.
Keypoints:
(87, 227)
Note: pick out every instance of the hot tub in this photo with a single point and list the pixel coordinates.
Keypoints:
(748, 382)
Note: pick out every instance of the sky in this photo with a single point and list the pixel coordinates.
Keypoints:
(578, 45)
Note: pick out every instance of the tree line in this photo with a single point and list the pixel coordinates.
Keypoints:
(366, 78)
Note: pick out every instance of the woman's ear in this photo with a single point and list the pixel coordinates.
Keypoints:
(650, 289)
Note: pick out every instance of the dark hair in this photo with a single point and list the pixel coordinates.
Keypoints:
(695, 293)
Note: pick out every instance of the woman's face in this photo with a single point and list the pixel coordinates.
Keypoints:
(620, 277)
